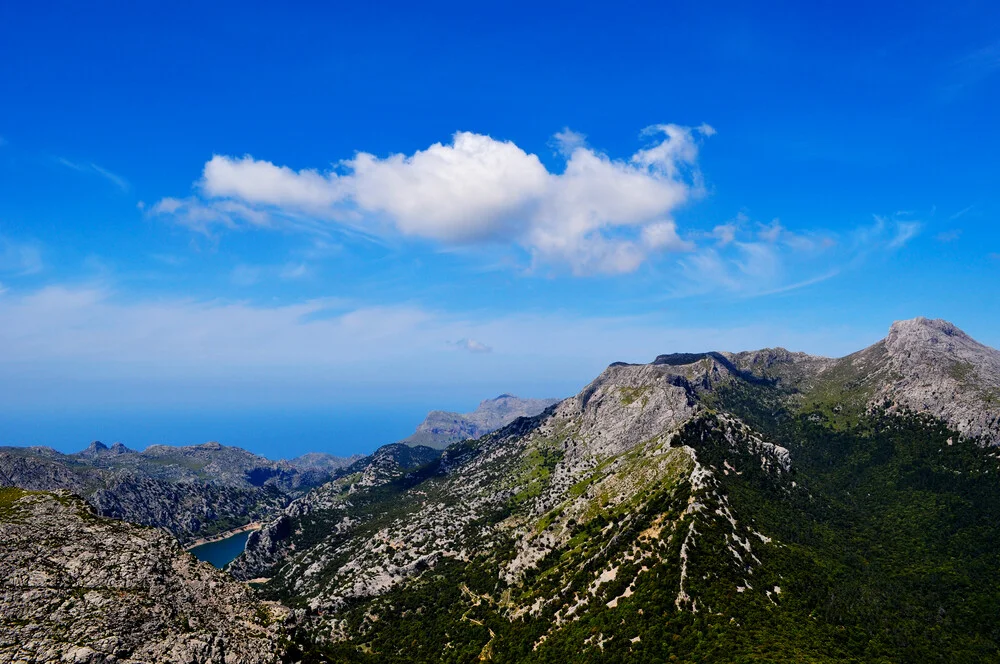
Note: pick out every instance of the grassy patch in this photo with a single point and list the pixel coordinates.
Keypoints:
(630, 395)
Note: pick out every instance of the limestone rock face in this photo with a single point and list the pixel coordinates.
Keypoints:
(276, 540)
(75, 587)
(936, 368)
(442, 428)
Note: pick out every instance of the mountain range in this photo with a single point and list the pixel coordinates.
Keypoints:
(194, 491)
(760, 506)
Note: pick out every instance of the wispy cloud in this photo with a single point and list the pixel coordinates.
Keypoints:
(245, 275)
(93, 168)
(970, 69)
(754, 259)
(168, 259)
(905, 231)
(61, 338)
(249, 275)
(19, 258)
(961, 213)
(293, 271)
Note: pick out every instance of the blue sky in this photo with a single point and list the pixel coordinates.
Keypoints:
(300, 228)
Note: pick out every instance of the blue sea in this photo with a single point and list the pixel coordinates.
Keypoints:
(273, 433)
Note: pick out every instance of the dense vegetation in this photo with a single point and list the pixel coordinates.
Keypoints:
(885, 550)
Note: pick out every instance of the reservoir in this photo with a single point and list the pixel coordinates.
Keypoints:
(221, 552)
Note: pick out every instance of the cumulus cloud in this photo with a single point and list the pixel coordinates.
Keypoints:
(258, 181)
(599, 215)
(476, 188)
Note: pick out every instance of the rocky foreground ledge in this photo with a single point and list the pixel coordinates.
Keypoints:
(75, 587)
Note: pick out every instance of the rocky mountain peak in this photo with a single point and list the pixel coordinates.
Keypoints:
(94, 449)
(98, 449)
(926, 332)
(119, 448)
(210, 445)
(934, 346)
(933, 366)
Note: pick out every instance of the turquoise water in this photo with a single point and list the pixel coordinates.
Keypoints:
(222, 552)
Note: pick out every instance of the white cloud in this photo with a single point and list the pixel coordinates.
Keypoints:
(599, 215)
(113, 178)
(662, 236)
(250, 275)
(905, 231)
(202, 216)
(245, 275)
(962, 212)
(293, 271)
(889, 231)
(759, 261)
(117, 180)
(567, 140)
(724, 233)
(770, 232)
(474, 189)
(473, 346)
(751, 260)
(261, 181)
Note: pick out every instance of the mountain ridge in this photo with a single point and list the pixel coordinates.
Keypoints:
(695, 489)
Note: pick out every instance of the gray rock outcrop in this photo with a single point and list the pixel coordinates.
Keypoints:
(75, 587)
